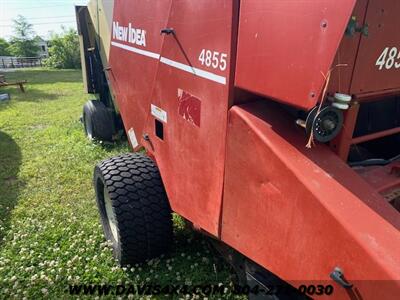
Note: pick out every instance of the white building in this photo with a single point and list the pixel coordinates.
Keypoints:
(43, 47)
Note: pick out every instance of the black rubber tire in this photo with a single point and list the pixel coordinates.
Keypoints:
(140, 206)
(98, 121)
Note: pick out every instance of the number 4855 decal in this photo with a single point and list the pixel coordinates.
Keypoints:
(213, 59)
(390, 58)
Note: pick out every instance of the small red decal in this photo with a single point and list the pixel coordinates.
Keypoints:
(189, 107)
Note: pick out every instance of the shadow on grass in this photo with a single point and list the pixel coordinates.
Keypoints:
(10, 162)
(31, 95)
(200, 265)
(121, 144)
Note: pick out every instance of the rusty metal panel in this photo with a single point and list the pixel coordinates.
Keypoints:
(134, 56)
(285, 46)
(190, 99)
(378, 62)
(300, 213)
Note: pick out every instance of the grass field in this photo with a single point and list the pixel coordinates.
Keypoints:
(50, 234)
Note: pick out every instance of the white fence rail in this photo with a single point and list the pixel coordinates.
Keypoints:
(9, 62)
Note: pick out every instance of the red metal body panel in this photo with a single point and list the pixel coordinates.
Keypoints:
(132, 73)
(285, 47)
(361, 76)
(383, 25)
(301, 213)
(346, 55)
(192, 154)
(252, 182)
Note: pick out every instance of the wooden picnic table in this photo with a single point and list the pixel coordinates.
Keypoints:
(3, 82)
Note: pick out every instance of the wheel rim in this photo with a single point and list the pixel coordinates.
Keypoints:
(88, 127)
(112, 221)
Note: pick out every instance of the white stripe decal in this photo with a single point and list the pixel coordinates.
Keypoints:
(175, 64)
(136, 50)
(195, 71)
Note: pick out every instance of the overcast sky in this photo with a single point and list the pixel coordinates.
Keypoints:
(45, 15)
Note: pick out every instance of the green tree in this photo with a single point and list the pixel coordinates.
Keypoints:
(4, 47)
(64, 50)
(23, 43)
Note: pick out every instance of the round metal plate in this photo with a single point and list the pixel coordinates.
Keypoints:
(316, 123)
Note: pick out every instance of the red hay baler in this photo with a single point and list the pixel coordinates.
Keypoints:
(271, 126)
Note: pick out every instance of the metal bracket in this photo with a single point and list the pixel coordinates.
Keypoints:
(353, 27)
(168, 31)
(338, 276)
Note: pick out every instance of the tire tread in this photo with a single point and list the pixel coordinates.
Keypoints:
(140, 204)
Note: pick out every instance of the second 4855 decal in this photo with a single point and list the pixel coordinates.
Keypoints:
(389, 59)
